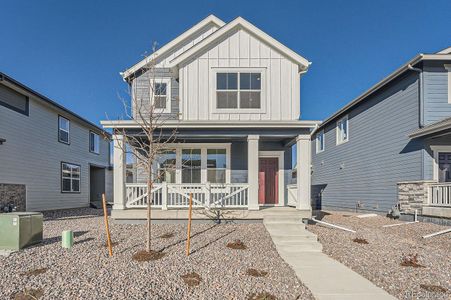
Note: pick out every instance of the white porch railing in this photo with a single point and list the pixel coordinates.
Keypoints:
(167, 195)
(439, 194)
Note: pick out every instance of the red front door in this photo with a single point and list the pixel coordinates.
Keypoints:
(268, 181)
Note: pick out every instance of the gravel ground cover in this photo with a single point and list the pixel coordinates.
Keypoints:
(86, 272)
(380, 259)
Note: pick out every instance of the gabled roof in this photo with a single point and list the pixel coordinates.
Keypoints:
(239, 22)
(432, 129)
(211, 19)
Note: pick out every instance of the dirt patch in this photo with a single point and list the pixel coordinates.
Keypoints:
(34, 272)
(166, 235)
(433, 288)
(360, 241)
(147, 256)
(192, 279)
(28, 294)
(262, 296)
(237, 244)
(256, 273)
(411, 260)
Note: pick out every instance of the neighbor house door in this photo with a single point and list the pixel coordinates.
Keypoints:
(444, 166)
(268, 181)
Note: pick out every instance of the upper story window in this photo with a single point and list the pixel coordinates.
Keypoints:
(63, 130)
(13, 100)
(94, 142)
(320, 141)
(238, 90)
(162, 95)
(342, 130)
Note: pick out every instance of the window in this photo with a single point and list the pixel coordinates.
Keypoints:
(13, 100)
(320, 141)
(238, 90)
(161, 97)
(191, 165)
(70, 178)
(216, 165)
(94, 142)
(342, 130)
(165, 166)
(63, 131)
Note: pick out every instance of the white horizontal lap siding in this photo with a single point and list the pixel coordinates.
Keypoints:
(240, 50)
(32, 156)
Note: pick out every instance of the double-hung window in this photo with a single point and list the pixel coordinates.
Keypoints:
(191, 165)
(238, 90)
(320, 141)
(70, 178)
(342, 130)
(216, 165)
(63, 130)
(162, 95)
(94, 142)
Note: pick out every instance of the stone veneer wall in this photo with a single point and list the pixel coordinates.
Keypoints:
(413, 195)
(13, 193)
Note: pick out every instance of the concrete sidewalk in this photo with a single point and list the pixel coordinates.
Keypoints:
(325, 277)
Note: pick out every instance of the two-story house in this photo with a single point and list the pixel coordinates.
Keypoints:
(232, 92)
(390, 145)
(50, 157)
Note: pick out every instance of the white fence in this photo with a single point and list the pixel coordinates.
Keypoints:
(167, 195)
(292, 191)
(439, 194)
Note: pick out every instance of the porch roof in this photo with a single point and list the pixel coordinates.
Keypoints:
(433, 130)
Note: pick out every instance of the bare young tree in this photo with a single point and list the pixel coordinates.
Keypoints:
(150, 140)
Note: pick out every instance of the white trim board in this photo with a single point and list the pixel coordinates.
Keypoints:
(281, 174)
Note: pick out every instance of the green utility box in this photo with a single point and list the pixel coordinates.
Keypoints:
(19, 230)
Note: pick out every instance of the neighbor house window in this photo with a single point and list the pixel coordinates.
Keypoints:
(342, 130)
(165, 166)
(216, 165)
(162, 96)
(63, 130)
(320, 141)
(94, 142)
(238, 90)
(191, 165)
(70, 178)
(13, 100)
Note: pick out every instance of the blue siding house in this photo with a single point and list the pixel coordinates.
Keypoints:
(381, 149)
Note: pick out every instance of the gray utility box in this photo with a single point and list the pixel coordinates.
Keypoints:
(20, 229)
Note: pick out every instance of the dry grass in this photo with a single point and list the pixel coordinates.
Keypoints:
(237, 245)
(28, 294)
(147, 256)
(411, 260)
(360, 241)
(256, 273)
(34, 272)
(262, 296)
(433, 288)
(192, 279)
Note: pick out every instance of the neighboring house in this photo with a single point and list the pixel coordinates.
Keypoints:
(386, 145)
(50, 158)
(233, 94)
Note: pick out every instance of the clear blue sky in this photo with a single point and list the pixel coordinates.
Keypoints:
(73, 51)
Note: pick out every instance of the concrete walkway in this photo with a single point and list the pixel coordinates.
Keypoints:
(325, 277)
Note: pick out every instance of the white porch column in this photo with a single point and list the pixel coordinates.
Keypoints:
(119, 171)
(303, 155)
(252, 171)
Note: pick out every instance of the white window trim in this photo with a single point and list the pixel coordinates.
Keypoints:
(448, 68)
(166, 110)
(203, 150)
(339, 140)
(68, 131)
(281, 174)
(213, 101)
(71, 179)
(436, 150)
(318, 150)
(98, 137)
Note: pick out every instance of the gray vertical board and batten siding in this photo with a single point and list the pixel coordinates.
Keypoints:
(379, 153)
(32, 155)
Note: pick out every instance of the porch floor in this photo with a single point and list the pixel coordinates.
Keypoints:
(200, 214)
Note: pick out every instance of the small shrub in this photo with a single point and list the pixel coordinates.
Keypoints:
(360, 241)
(411, 260)
(237, 244)
(256, 273)
(31, 294)
(34, 272)
(192, 279)
(262, 296)
(433, 288)
(166, 235)
(147, 256)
